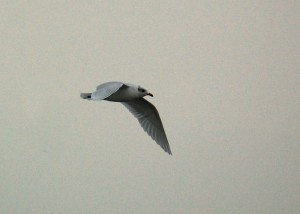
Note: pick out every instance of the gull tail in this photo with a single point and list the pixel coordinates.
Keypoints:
(87, 96)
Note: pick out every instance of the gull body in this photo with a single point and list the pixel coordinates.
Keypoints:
(131, 96)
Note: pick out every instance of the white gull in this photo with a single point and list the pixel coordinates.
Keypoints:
(131, 96)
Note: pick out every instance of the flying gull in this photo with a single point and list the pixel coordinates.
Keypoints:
(131, 96)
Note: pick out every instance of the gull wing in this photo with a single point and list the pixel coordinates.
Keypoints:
(150, 121)
(106, 89)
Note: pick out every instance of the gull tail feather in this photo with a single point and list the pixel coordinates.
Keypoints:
(87, 96)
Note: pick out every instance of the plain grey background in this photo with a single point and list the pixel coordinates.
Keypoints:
(225, 77)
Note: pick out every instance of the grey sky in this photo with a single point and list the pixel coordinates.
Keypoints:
(225, 77)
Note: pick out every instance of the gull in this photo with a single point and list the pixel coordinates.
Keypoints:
(131, 96)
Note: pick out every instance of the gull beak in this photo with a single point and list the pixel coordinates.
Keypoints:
(151, 95)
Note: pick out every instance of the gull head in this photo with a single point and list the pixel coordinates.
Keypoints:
(143, 92)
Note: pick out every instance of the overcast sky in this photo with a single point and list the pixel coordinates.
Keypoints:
(226, 80)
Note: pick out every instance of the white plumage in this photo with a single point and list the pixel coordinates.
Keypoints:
(131, 96)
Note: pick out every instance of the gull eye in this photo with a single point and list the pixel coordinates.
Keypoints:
(141, 90)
